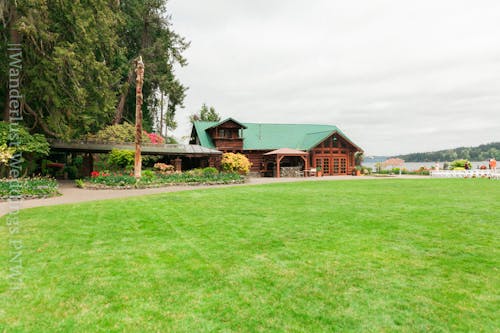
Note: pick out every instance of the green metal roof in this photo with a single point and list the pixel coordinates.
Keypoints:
(200, 128)
(274, 136)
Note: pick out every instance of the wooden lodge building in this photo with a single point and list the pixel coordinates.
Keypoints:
(280, 149)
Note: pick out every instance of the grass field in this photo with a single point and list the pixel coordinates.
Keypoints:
(343, 256)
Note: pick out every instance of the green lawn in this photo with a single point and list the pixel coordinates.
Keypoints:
(345, 256)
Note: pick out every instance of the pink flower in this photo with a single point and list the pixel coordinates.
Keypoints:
(155, 138)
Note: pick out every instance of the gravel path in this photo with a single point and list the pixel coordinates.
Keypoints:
(72, 194)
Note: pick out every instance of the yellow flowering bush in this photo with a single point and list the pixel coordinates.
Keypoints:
(6, 153)
(236, 163)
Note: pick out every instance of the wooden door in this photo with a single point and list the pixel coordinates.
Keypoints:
(324, 164)
(339, 166)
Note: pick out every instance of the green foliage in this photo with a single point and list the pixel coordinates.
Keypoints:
(205, 114)
(71, 59)
(460, 165)
(120, 133)
(149, 178)
(209, 172)
(121, 159)
(77, 56)
(80, 183)
(358, 157)
(479, 153)
(148, 32)
(29, 187)
(77, 161)
(28, 143)
(112, 179)
(198, 172)
(72, 171)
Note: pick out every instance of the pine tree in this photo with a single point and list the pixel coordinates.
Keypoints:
(77, 56)
(205, 114)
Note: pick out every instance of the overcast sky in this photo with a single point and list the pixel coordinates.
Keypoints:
(395, 76)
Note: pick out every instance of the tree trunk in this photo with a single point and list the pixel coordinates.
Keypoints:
(138, 116)
(123, 98)
(38, 120)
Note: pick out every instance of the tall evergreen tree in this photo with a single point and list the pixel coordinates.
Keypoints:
(148, 32)
(71, 58)
(77, 56)
(205, 114)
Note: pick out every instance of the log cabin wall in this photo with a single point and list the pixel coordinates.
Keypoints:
(227, 137)
(256, 157)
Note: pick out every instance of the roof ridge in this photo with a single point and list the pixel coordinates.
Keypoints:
(328, 131)
(288, 124)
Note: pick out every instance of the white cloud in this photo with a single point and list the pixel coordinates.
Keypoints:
(396, 76)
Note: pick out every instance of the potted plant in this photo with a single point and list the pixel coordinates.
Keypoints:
(358, 157)
(358, 170)
(319, 171)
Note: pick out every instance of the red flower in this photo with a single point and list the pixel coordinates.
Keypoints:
(94, 174)
(155, 138)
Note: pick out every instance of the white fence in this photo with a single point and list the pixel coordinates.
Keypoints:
(478, 173)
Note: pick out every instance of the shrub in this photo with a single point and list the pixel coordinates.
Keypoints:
(29, 187)
(111, 179)
(118, 133)
(147, 176)
(122, 133)
(155, 138)
(163, 167)
(28, 143)
(121, 159)
(78, 161)
(72, 171)
(209, 172)
(195, 172)
(460, 165)
(235, 163)
(366, 170)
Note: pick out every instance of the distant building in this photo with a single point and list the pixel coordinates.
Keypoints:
(268, 145)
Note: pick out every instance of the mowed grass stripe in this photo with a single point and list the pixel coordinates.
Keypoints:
(367, 256)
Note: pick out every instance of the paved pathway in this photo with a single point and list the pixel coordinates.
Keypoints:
(72, 194)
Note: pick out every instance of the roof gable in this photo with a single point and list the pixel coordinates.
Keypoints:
(226, 121)
(200, 127)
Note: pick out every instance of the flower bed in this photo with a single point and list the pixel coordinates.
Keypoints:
(28, 188)
(150, 179)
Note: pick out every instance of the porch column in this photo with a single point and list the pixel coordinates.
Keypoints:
(306, 167)
(178, 164)
(278, 163)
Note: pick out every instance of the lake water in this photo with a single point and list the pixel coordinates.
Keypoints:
(416, 165)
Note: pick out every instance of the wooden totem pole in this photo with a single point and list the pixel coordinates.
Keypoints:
(139, 80)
